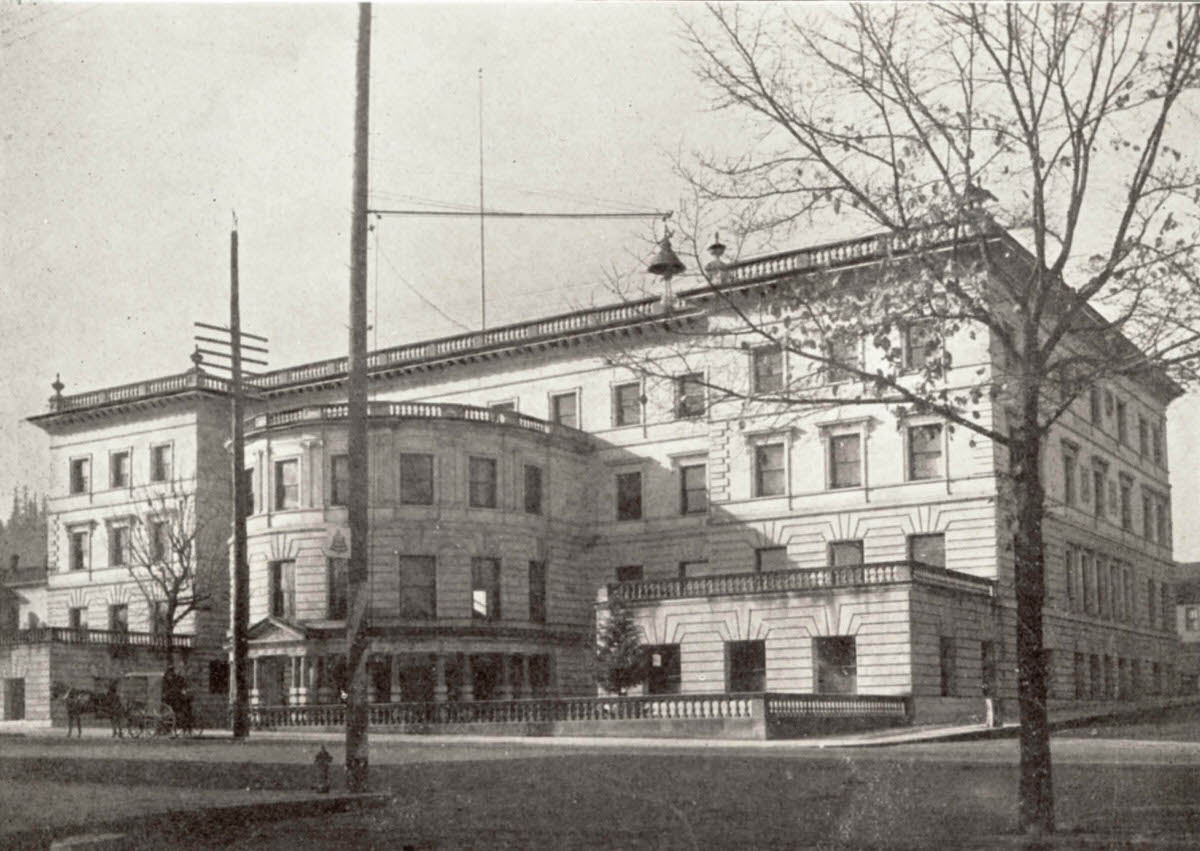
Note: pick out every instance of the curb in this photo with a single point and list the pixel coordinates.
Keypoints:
(199, 821)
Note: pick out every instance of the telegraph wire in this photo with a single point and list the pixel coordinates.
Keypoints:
(418, 293)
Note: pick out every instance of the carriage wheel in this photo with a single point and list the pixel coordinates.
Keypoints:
(137, 722)
(166, 721)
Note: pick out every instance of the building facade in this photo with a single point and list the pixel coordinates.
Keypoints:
(525, 477)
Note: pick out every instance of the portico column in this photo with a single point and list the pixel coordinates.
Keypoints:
(440, 692)
(294, 680)
(255, 694)
(526, 691)
(306, 690)
(506, 686)
(397, 694)
(468, 679)
(324, 693)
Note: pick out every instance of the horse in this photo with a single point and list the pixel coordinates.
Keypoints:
(80, 702)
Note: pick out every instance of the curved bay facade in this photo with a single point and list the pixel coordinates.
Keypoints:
(475, 522)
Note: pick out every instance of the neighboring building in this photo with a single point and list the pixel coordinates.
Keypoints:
(1187, 624)
(519, 479)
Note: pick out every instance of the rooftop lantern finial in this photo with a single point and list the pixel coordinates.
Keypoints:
(197, 359)
(716, 266)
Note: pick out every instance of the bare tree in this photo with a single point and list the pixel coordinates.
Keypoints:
(931, 124)
(175, 571)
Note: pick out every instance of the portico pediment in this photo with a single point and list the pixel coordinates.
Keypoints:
(273, 630)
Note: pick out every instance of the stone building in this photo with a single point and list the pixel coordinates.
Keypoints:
(521, 477)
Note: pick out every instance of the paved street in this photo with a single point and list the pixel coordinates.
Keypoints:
(451, 793)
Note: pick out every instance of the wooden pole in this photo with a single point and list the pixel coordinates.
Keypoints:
(358, 589)
(241, 572)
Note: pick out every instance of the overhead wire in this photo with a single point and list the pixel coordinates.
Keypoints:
(418, 293)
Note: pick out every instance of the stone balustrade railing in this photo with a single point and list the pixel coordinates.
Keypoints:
(807, 579)
(567, 709)
(407, 410)
(847, 251)
(190, 380)
(582, 320)
(111, 638)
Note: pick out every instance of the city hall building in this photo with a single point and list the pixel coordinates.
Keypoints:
(523, 477)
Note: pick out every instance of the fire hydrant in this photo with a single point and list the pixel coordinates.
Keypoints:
(322, 761)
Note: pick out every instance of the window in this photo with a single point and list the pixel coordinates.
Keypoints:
(118, 470)
(281, 588)
(845, 350)
(836, 664)
(118, 618)
(1070, 463)
(946, 665)
(1129, 603)
(689, 395)
(1191, 618)
(339, 480)
(248, 489)
(537, 592)
(1143, 436)
(693, 489)
(627, 404)
(1122, 424)
(629, 496)
(80, 549)
(1166, 607)
(287, 484)
(1070, 560)
(845, 461)
(160, 540)
(920, 344)
(1156, 435)
(159, 620)
(418, 586)
(928, 549)
(533, 489)
(482, 483)
(769, 471)
(1089, 582)
(987, 668)
(336, 588)
(1160, 521)
(663, 669)
(770, 558)
(1098, 487)
(218, 676)
(767, 369)
(564, 409)
(1126, 503)
(81, 475)
(1095, 406)
(416, 479)
(845, 553)
(1080, 673)
(160, 463)
(925, 452)
(118, 545)
(746, 666)
(77, 618)
(629, 573)
(485, 589)
(1151, 601)
(1102, 600)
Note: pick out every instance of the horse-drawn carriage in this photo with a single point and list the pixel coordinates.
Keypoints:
(157, 704)
(153, 703)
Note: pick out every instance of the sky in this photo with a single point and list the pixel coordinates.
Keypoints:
(132, 133)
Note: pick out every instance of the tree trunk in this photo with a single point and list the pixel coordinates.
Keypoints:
(1036, 793)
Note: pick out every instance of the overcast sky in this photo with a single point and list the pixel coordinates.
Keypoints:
(131, 133)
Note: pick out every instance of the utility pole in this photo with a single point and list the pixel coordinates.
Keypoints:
(241, 570)
(356, 380)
